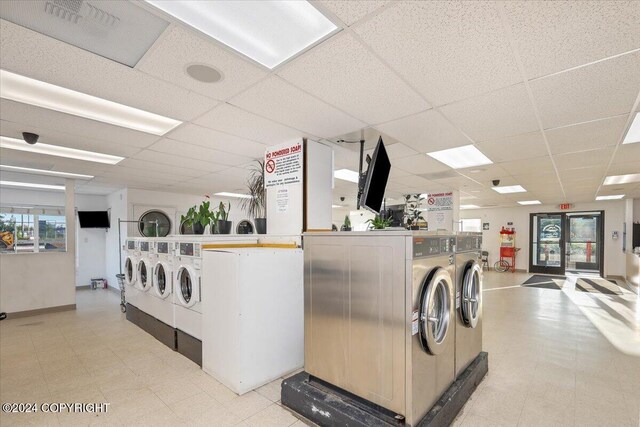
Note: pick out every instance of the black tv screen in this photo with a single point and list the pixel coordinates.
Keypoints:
(375, 182)
(94, 219)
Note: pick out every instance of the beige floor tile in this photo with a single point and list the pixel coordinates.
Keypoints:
(472, 420)
(175, 390)
(273, 416)
(271, 391)
(247, 405)
(192, 406)
(502, 405)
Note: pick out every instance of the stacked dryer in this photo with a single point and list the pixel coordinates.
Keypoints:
(145, 274)
(468, 260)
(131, 260)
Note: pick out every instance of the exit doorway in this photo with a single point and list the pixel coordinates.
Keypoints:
(566, 242)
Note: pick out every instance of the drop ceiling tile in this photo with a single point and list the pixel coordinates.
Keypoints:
(350, 12)
(412, 181)
(536, 179)
(345, 74)
(586, 136)
(624, 168)
(396, 173)
(233, 120)
(35, 179)
(149, 159)
(554, 36)
(627, 153)
(198, 153)
(159, 173)
(49, 60)
(97, 189)
(180, 47)
(425, 132)
(42, 161)
(27, 115)
(600, 90)
(209, 138)
(395, 151)
(591, 158)
(485, 174)
(538, 165)
(518, 147)
(420, 164)
(499, 114)
(277, 100)
(446, 50)
(53, 137)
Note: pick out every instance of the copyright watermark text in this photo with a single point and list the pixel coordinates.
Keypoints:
(56, 407)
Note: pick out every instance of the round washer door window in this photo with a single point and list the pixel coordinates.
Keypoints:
(128, 270)
(435, 312)
(471, 295)
(186, 285)
(142, 268)
(154, 223)
(161, 279)
(244, 227)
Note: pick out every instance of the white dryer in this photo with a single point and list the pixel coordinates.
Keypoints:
(144, 280)
(132, 257)
(162, 286)
(187, 304)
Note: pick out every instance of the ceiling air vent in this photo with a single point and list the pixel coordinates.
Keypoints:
(117, 30)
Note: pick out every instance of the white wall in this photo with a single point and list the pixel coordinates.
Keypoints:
(636, 210)
(614, 262)
(117, 206)
(31, 281)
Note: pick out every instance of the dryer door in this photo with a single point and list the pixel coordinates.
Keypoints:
(187, 283)
(144, 276)
(436, 305)
(129, 271)
(471, 304)
(162, 280)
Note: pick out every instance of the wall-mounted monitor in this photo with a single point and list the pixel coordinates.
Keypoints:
(375, 181)
(94, 219)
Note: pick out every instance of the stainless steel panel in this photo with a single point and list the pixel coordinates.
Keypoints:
(468, 340)
(355, 314)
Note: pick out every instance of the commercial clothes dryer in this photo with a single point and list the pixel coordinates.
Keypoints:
(188, 314)
(144, 280)
(131, 259)
(379, 316)
(468, 256)
(162, 286)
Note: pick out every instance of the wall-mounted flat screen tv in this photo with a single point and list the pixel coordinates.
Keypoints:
(375, 182)
(94, 219)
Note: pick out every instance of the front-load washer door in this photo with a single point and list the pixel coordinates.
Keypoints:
(187, 286)
(130, 271)
(144, 276)
(162, 280)
(471, 304)
(436, 305)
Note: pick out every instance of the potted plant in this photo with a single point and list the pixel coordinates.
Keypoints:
(346, 226)
(196, 219)
(378, 223)
(256, 206)
(223, 225)
(412, 212)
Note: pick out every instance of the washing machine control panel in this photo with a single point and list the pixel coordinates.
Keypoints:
(190, 249)
(144, 246)
(430, 246)
(162, 248)
(131, 245)
(468, 243)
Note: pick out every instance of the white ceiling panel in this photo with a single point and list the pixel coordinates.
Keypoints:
(516, 147)
(495, 115)
(72, 140)
(413, 181)
(485, 174)
(397, 173)
(556, 35)
(162, 159)
(593, 158)
(420, 164)
(209, 138)
(600, 90)
(233, 120)
(447, 50)
(350, 12)
(395, 151)
(538, 165)
(628, 153)
(27, 115)
(41, 161)
(425, 132)
(586, 136)
(275, 99)
(624, 168)
(345, 74)
(49, 60)
(180, 47)
(97, 188)
(199, 153)
(535, 179)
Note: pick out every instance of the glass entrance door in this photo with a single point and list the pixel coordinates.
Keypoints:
(547, 244)
(583, 244)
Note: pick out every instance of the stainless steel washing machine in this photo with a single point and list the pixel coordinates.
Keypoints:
(468, 259)
(379, 316)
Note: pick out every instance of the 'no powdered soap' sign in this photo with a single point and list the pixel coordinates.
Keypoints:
(283, 164)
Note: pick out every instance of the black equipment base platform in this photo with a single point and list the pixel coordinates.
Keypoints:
(327, 405)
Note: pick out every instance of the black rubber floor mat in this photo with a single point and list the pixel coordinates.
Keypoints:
(544, 285)
(539, 278)
(598, 286)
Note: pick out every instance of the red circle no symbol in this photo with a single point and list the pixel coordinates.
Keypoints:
(431, 201)
(270, 166)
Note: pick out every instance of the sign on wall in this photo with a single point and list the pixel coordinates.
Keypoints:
(440, 211)
(485, 226)
(283, 164)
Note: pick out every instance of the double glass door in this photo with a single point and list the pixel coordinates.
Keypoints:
(562, 242)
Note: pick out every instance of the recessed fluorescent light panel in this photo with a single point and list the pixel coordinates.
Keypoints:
(31, 185)
(346, 175)
(269, 32)
(336, 206)
(468, 207)
(614, 197)
(56, 150)
(461, 157)
(509, 189)
(235, 195)
(44, 172)
(34, 92)
(622, 179)
(530, 202)
(633, 134)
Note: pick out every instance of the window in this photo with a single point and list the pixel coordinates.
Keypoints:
(23, 231)
(474, 224)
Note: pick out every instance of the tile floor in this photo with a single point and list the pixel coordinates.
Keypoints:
(551, 362)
